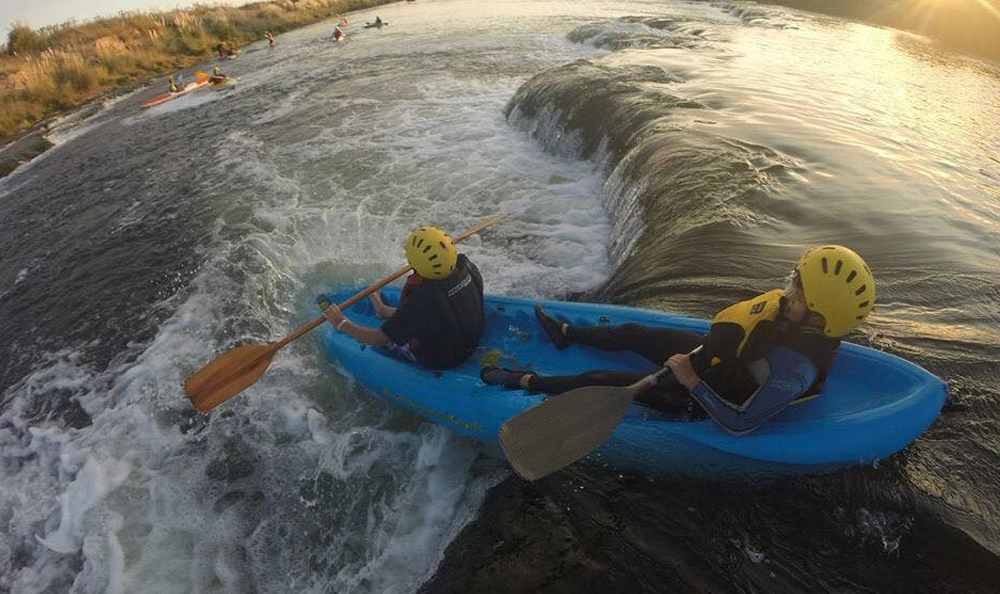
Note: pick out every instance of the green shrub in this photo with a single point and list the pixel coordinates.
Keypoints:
(22, 39)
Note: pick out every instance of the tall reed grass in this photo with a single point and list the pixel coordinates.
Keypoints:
(56, 68)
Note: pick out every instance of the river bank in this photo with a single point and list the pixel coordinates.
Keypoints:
(30, 143)
(57, 69)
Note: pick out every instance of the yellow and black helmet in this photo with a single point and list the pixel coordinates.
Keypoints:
(431, 253)
(837, 284)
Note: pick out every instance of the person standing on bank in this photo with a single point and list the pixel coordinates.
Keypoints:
(440, 319)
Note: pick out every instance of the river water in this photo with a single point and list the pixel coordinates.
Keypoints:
(658, 153)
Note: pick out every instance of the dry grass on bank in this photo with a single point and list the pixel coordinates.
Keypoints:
(56, 68)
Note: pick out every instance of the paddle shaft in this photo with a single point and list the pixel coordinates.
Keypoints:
(655, 379)
(313, 324)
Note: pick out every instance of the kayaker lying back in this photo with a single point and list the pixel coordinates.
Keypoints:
(758, 357)
(440, 318)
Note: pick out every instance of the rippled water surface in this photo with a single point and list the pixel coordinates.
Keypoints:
(663, 154)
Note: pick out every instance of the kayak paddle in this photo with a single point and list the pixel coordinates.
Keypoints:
(228, 375)
(568, 426)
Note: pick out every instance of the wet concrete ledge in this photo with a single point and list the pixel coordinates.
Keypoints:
(583, 531)
(34, 141)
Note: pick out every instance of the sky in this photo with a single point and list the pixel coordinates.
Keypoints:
(39, 13)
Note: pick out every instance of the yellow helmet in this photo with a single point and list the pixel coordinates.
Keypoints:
(837, 284)
(431, 253)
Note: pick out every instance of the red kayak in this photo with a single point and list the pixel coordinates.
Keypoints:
(201, 82)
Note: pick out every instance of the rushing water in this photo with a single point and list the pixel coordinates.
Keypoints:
(664, 154)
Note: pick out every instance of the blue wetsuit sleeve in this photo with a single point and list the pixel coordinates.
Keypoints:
(791, 375)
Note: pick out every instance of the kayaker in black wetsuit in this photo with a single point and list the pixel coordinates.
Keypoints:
(174, 88)
(440, 318)
(759, 355)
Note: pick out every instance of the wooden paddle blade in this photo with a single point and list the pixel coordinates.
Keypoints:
(228, 375)
(563, 429)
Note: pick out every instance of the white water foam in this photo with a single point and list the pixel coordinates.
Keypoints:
(81, 121)
(305, 482)
(188, 101)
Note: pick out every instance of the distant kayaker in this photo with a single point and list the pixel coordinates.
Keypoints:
(225, 51)
(758, 357)
(217, 77)
(337, 33)
(269, 37)
(440, 318)
(174, 88)
(378, 21)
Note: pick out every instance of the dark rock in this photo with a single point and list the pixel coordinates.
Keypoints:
(25, 148)
(551, 536)
(223, 503)
(584, 530)
(237, 462)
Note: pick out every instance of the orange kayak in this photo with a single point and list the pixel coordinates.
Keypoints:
(192, 86)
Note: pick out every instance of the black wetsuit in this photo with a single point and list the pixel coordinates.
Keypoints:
(654, 344)
(745, 333)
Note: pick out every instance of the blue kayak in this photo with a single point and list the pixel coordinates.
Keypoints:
(874, 403)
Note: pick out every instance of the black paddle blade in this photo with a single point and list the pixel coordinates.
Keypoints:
(565, 428)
